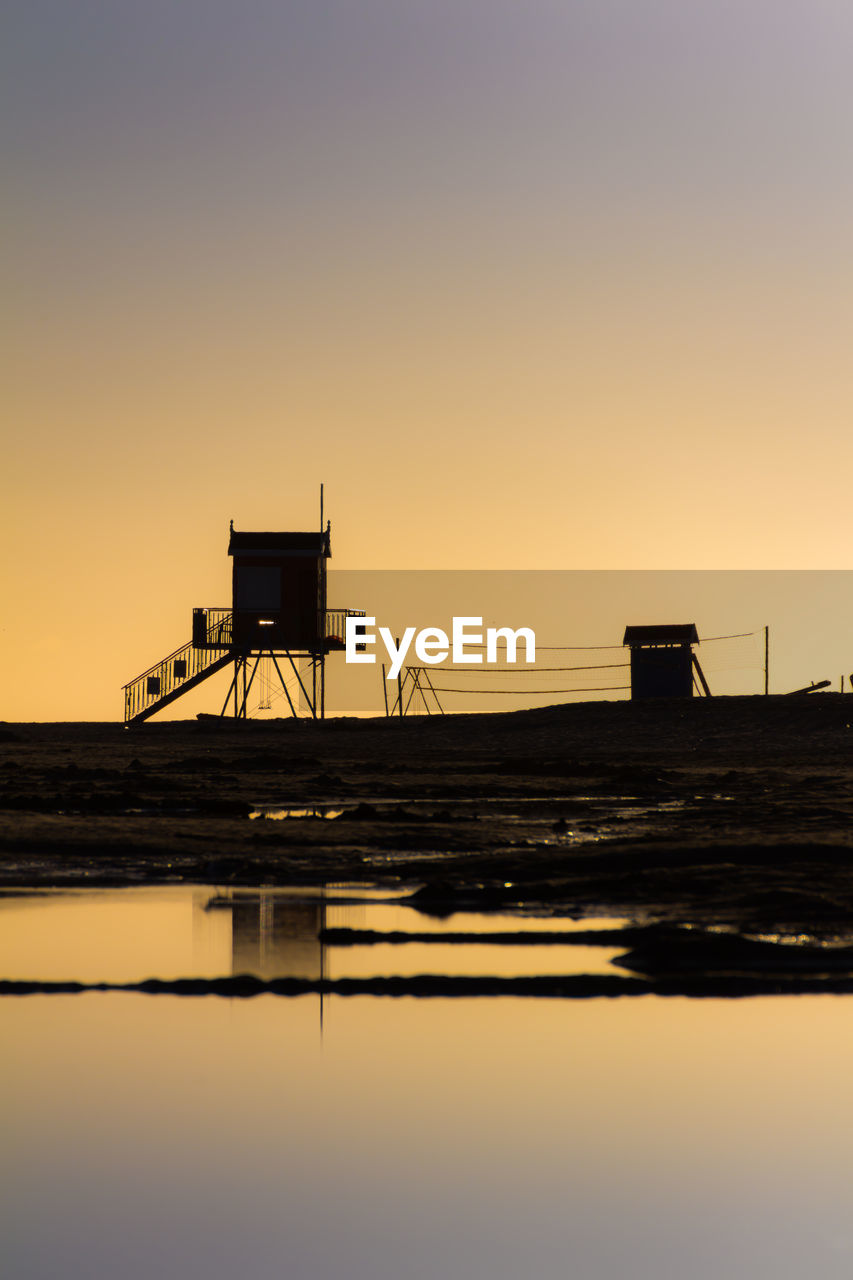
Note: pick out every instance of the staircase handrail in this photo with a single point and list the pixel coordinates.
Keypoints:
(180, 652)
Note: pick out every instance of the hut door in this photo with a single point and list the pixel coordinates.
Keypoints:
(258, 587)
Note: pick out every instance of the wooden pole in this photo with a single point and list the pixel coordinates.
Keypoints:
(701, 674)
(283, 684)
(766, 661)
(399, 680)
(434, 694)
(413, 676)
(384, 688)
(231, 686)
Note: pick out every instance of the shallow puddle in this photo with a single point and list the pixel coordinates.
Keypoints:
(378, 1139)
(324, 812)
(324, 1135)
(549, 819)
(201, 931)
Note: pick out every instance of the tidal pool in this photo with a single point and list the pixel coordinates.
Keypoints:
(381, 1139)
(205, 931)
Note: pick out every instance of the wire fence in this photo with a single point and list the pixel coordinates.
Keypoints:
(732, 664)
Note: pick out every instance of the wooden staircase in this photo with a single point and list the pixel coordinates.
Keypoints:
(211, 649)
(179, 672)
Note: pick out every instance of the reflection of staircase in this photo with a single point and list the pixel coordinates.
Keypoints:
(180, 672)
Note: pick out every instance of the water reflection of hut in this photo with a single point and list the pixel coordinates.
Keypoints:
(273, 936)
(663, 663)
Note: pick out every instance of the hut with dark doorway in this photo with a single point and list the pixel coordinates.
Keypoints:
(279, 618)
(279, 590)
(663, 664)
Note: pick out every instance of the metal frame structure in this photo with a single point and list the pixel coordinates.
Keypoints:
(255, 658)
(279, 614)
(212, 650)
(414, 681)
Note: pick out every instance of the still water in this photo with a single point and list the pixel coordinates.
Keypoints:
(396, 1138)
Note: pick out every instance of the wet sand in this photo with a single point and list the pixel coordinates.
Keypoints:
(728, 820)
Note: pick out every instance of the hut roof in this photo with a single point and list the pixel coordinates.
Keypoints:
(290, 544)
(675, 633)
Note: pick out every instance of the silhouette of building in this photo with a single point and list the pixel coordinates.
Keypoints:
(663, 664)
(278, 616)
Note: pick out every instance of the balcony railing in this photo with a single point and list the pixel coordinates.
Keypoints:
(220, 629)
(213, 628)
(336, 623)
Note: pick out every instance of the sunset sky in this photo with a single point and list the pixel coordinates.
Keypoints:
(553, 285)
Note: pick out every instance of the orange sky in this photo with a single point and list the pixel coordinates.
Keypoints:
(556, 287)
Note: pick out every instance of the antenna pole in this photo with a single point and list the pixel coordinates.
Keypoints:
(766, 661)
(321, 508)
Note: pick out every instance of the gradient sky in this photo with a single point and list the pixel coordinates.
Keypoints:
(547, 285)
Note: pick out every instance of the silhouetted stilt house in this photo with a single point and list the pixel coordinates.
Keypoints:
(278, 615)
(663, 664)
(279, 590)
